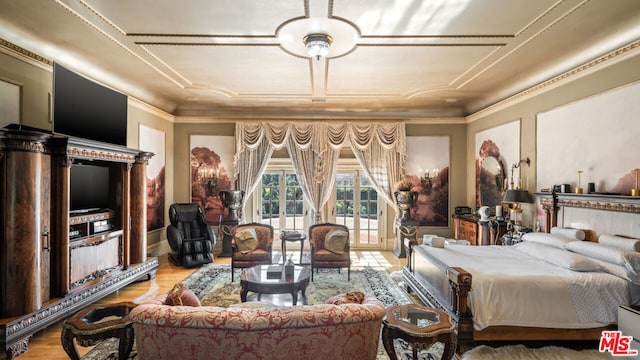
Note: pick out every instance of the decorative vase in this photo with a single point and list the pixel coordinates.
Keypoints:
(289, 267)
(406, 199)
(232, 200)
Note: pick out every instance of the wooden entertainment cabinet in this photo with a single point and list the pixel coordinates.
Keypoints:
(54, 262)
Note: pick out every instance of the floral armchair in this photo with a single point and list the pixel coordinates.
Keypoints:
(329, 247)
(250, 246)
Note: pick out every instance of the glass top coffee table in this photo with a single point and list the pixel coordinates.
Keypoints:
(420, 327)
(266, 279)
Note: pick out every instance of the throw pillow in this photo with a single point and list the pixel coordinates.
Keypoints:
(336, 241)
(620, 242)
(352, 297)
(246, 240)
(181, 295)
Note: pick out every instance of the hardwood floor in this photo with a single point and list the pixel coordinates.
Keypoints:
(46, 344)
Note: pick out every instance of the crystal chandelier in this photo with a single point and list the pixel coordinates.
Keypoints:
(317, 45)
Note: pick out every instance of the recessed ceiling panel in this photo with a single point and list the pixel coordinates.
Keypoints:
(205, 17)
(440, 17)
(401, 70)
(238, 70)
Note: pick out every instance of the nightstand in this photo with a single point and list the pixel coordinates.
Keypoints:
(629, 324)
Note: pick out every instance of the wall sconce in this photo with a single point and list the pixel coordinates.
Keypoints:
(517, 165)
(427, 181)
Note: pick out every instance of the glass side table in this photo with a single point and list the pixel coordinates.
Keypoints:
(97, 323)
(289, 235)
(420, 327)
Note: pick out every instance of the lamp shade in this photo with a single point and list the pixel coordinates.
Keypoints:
(517, 196)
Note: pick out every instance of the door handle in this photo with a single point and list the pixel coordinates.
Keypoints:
(46, 242)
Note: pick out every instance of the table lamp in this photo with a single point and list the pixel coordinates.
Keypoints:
(516, 196)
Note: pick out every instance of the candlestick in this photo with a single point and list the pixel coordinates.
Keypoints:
(579, 189)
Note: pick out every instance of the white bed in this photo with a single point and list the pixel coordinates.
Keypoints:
(549, 287)
(532, 285)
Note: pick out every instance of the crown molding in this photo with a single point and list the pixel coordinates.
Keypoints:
(150, 109)
(602, 62)
(25, 55)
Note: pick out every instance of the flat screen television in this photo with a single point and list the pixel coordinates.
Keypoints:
(83, 108)
(89, 188)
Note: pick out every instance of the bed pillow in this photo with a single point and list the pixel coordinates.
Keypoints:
(627, 258)
(569, 232)
(558, 257)
(620, 242)
(246, 240)
(554, 240)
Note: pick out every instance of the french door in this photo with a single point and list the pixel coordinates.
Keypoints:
(282, 203)
(357, 207)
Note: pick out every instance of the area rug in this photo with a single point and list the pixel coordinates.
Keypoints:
(212, 284)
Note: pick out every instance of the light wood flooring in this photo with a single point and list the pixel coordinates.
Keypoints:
(46, 343)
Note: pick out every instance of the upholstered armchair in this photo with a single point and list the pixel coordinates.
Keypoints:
(250, 245)
(329, 247)
(189, 236)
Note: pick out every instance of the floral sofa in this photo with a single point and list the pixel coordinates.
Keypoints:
(323, 331)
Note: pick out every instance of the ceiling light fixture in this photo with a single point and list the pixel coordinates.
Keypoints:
(317, 45)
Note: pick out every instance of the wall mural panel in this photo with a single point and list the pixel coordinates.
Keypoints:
(496, 150)
(598, 136)
(211, 171)
(428, 169)
(153, 140)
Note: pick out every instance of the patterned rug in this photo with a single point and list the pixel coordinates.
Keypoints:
(212, 284)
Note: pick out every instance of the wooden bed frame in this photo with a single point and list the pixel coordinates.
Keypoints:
(450, 290)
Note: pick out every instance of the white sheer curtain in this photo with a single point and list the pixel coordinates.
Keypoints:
(314, 148)
(381, 151)
(314, 159)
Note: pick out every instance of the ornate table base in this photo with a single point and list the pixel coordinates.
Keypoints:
(420, 327)
(98, 323)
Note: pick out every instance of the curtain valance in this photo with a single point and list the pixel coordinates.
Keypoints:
(380, 148)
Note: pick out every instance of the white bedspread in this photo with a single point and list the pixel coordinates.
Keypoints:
(510, 287)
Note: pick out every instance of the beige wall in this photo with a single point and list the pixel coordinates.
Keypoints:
(36, 82)
(457, 134)
(458, 172)
(139, 114)
(619, 74)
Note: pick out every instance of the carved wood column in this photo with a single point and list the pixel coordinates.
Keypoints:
(126, 214)
(138, 236)
(24, 223)
(61, 254)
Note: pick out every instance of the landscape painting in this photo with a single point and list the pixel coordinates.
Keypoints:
(428, 169)
(211, 171)
(153, 140)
